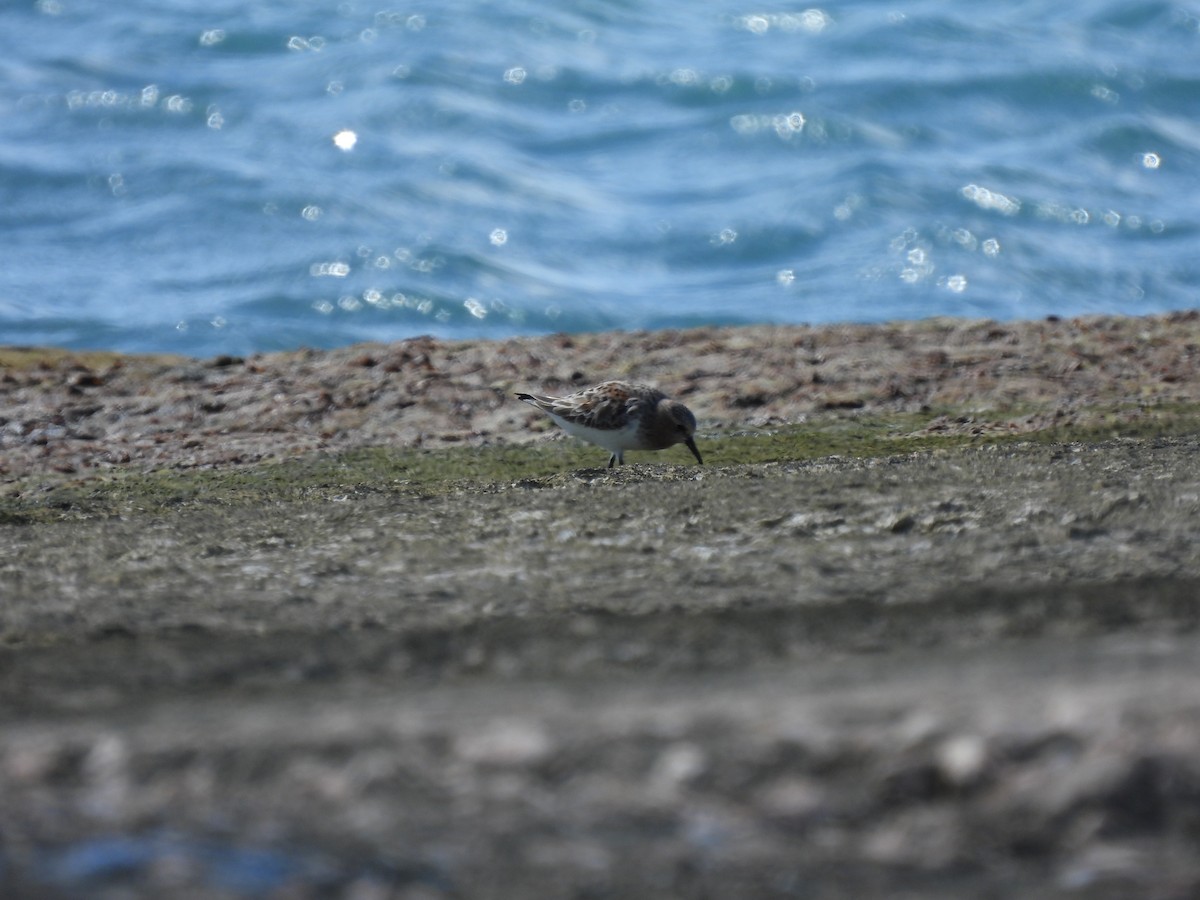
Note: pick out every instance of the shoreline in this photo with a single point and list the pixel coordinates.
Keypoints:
(75, 414)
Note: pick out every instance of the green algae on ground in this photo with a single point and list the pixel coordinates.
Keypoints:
(392, 470)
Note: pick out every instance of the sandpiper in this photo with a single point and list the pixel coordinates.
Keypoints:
(620, 416)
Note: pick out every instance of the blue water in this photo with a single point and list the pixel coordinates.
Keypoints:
(132, 865)
(171, 176)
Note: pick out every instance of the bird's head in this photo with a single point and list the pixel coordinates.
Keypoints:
(684, 424)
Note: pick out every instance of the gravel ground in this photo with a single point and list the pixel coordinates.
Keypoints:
(951, 673)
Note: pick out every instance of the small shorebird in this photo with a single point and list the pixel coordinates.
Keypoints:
(620, 416)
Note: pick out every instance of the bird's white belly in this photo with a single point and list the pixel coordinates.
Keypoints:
(614, 440)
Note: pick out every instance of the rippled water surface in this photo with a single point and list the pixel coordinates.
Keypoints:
(214, 176)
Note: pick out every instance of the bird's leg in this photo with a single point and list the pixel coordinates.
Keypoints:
(612, 460)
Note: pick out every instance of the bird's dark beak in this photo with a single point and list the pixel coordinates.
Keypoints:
(691, 445)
